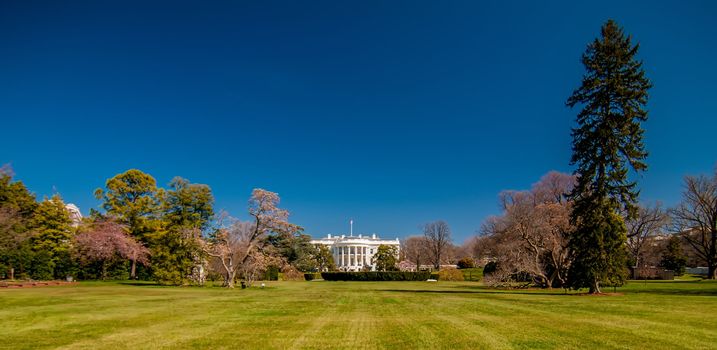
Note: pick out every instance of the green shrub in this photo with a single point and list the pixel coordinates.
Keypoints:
(450, 274)
(272, 273)
(376, 276)
(311, 276)
(434, 276)
(490, 268)
(466, 263)
(42, 267)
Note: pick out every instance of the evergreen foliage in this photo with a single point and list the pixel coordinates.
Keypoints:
(324, 259)
(386, 258)
(466, 263)
(295, 248)
(132, 198)
(53, 233)
(606, 143)
(187, 210)
(674, 257)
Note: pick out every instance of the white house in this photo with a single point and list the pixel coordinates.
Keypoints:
(354, 253)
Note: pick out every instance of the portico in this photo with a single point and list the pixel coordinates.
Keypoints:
(354, 253)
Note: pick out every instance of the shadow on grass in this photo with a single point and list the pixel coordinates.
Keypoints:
(139, 283)
(482, 291)
(680, 289)
(666, 291)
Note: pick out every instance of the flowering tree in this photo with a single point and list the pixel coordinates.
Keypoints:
(235, 246)
(107, 240)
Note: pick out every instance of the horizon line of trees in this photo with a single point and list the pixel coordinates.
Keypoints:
(172, 235)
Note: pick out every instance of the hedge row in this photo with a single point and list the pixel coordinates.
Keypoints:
(376, 276)
(312, 276)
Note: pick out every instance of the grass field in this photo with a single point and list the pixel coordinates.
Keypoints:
(351, 315)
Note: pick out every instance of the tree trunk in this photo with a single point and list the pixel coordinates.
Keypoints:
(229, 282)
(104, 270)
(12, 273)
(133, 273)
(713, 255)
(595, 287)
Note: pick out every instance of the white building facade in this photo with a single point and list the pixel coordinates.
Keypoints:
(75, 214)
(354, 253)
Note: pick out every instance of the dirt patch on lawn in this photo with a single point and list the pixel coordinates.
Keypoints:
(33, 284)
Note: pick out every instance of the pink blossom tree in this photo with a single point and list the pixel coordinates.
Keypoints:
(107, 240)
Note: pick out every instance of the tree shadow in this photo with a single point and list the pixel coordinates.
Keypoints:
(139, 284)
(483, 291)
(685, 292)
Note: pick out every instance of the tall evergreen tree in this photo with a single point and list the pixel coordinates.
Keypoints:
(673, 258)
(132, 198)
(53, 226)
(187, 210)
(53, 233)
(606, 144)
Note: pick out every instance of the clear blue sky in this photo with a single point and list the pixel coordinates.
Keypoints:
(391, 113)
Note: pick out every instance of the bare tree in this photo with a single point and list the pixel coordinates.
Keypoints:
(438, 237)
(696, 218)
(235, 246)
(649, 221)
(415, 250)
(531, 235)
(229, 247)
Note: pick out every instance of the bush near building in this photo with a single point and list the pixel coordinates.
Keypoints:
(466, 263)
(290, 273)
(450, 275)
(376, 276)
(312, 276)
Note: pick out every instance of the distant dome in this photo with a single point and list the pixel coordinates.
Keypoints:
(75, 214)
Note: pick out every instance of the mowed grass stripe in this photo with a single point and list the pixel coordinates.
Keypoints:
(356, 315)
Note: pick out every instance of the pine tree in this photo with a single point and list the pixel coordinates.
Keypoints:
(674, 258)
(51, 243)
(606, 144)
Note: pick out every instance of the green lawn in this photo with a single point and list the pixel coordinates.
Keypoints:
(350, 315)
(473, 274)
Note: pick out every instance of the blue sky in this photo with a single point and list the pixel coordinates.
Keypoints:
(393, 113)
